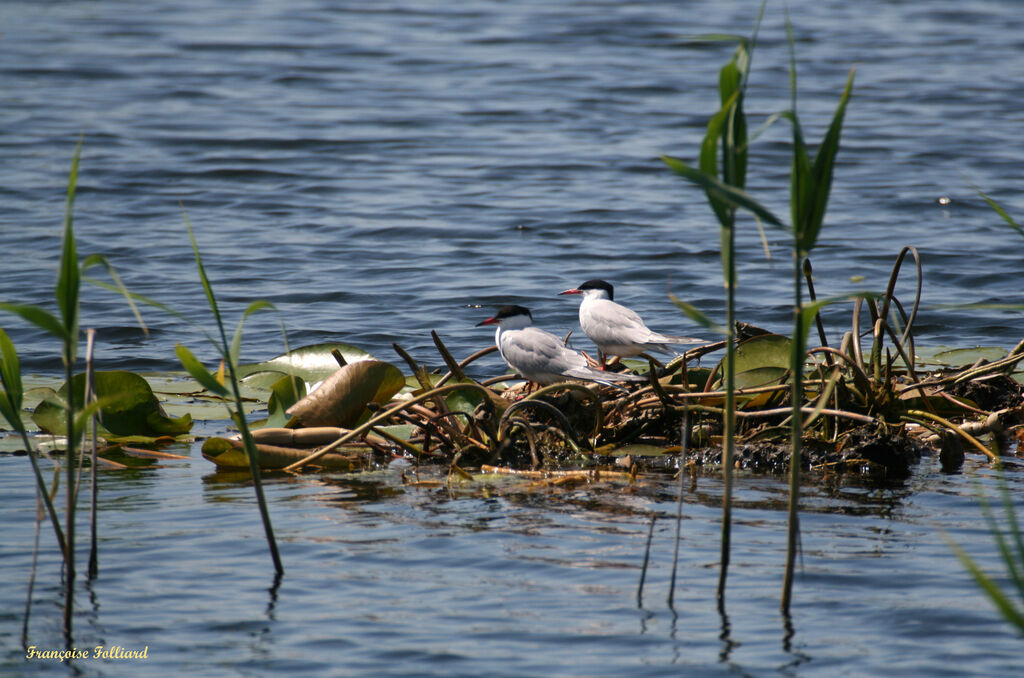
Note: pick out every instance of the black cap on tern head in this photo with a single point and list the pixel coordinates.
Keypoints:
(507, 312)
(594, 284)
(598, 284)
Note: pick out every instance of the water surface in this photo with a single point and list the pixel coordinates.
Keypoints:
(380, 171)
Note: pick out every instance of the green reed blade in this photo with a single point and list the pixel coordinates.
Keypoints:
(41, 318)
(1000, 211)
(821, 173)
(694, 314)
(68, 279)
(10, 376)
(236, 339)
(196, 369)
(714, 186)
(118, 286)
(199, 372)
(998, 597)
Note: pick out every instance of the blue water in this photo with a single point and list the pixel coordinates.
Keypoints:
(379, 171)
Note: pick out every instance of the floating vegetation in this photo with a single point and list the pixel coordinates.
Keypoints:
(868, 409)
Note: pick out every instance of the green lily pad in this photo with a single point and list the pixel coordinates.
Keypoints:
(412, 384)
(284, 393)
(129, 408)
(959, 357)
(463, 399)
(760, 376)
(342, 398)
(760, 360)
(765, 350)
(263, 380)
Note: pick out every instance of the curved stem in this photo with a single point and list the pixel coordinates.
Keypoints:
(579, 388)
(912, 414)
(547, 407)
(479, 354)
(373, 421)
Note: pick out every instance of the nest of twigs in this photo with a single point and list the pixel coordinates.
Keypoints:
(868, 409)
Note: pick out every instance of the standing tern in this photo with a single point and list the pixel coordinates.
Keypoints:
(616, 329)
(541, 356)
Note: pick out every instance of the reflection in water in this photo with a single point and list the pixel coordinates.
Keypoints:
(647, 560)
(788, 633)
(272, 595)
(725, 634)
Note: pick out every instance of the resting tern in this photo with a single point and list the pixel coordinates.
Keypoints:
(616, 329)
(541, 356)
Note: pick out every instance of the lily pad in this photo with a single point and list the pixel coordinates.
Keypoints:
(263, 380)
(284, 393)
(412, 384)
(312, 363)
(959, 357)
(765, 350)
(129, 408)
(760, 360)
(760, 376)
(466, 400)
(341, 400)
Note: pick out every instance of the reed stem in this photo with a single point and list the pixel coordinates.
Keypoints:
(69, 516)
(796, 424)
(90, 396)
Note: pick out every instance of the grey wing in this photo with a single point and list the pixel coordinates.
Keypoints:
(534, 351)
(670, 339)
(602, 377)
(614, 324)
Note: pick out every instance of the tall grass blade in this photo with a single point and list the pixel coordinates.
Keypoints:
(201, 374)
(797, 343)
(722, 175)
(810, 185)
(1013, 558)
(40, 318)
(1014, 569)
(236, 339)
(69, 276)
(32, 570)
(10, 407)
(90, 397)
(1001, 212)
(718, 190)
(100, 260)
(10, 374)
(207, 288)
(694, 314)
(67, 295)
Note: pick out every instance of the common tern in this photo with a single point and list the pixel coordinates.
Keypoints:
(540, 356)
(616, 329)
